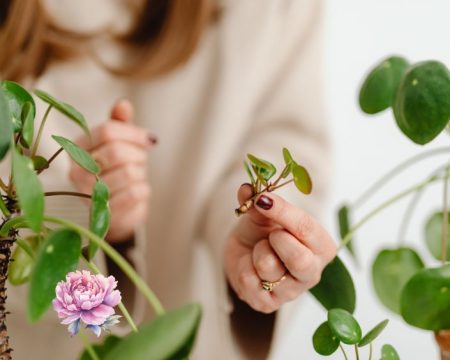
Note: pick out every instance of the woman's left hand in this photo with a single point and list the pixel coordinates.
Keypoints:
(273, 240)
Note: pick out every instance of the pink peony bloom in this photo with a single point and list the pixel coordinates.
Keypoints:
(87, 298)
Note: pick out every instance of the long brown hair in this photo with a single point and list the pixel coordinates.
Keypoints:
(164, 35)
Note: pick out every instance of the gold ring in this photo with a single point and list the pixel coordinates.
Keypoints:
(270, 285)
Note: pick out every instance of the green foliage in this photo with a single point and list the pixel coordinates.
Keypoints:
(373, 334)
(39, 163)
(28, 124)
(336, 288)
(168, 335)
(58, 256)
(425, 300)
(6, 127)
(102, 349)
(263, 169)
(21, 266)
(433, 235)
(17, 97)
(344, 326)
(100, 216)
(324, 341)
(388, 353)
(380, 86)
(302, 180)
(391, 270)
(344, 227)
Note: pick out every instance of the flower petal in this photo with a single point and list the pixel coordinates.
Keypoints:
(74, 327)
(113, 299)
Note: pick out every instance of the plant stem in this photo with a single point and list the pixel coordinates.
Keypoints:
(122, 307)
(280, 177)
(384, 205)
(444, 238)
(39, 135)
(356, 352)
(117, 258)
(26, 247)
(16, 223)
(88, 345)
(67, 193)
(3, 186)
(370, 351)
(3, 207)
(53, 157)
(343, 351)
(273, 188)
(394, 171)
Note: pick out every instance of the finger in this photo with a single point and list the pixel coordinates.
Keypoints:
(81, 179)
(123, 110)
(299, 223)
(112, 155)
(124, 224)
(266, 262)
(136, 193)
(288, 289)
(300, 261)
(121, 177)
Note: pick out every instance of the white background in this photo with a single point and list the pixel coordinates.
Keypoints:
(359, 34)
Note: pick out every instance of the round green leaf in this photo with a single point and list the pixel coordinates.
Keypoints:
(391, 270)
(433, 235)
(27, 124)
(373, 334)
(422, 104)
(249, 173)
(263, 167)
(17, 96)
(344, 326)
(58, 256)
(6, 125)
(169, 336)
(379, 88)
(22, 263)
(388, 353)
(324, 341)
(288, 160)
(302, 179)
(425, 300)
(66, 109)
(336, 288)
(100, 216)
(40, 163)
(79, 155)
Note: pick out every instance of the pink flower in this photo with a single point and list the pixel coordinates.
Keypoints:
(87, 298)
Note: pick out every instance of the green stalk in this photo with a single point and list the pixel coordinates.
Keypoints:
(122, 307)
(117, 258)
(370, 351)
(3, 207)
(26, 247)
(444, 238)
(16, 223)
(88, 345)
(356, 352)
(343, 351)
(41, 128)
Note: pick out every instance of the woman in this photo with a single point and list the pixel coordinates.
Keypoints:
(212, 81)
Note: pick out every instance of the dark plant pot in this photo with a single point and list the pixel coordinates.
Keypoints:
(443, 340)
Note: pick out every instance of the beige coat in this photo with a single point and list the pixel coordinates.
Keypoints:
(254, 85)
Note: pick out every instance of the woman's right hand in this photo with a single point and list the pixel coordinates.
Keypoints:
(121, 150)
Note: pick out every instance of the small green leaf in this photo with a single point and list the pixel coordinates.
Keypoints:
(425, 299)
(103, 349)
(388, 353)
(6, 125)
(65, 109)
(22, 263)
(29, 190)
(28, 125)
(79, 155)
(169, 335)
(422, 104)
(344, 227)
(336, 288)
(58, 256)
(380, 86)
(391, 270)
(249, 173)
(344, 326)
(302, 179)
(40, 163)
(433, 235)
(100, 216)
(324, 341)
(373, 334)
(17, 96)
(265, 168)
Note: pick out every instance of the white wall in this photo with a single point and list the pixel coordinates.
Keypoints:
(360, 33)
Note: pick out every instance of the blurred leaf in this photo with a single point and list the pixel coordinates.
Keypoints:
(380, 86)
(39, 163)
(422, 104)
(433, 235)
(336, 288)
(265, 168)
(259, 175)
(28, 125)
(16, 97)
(65, 109)
(100, 216)
(388, 353)
(344, 326)
(344, 227)
(58, 256)
(324, 341)
(288, 160)
(22, 263)
(249, 173)
(103, 349)
(302, 179)
(29, 190)
(425, 299)
(373, 334)
(6, 125)
(162, 338)
(79, 155)
(391, 270)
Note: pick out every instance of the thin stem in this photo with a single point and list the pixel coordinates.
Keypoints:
(88, 345)
(356, 352)
(3, 186)
(26, 247)
(444, 238)
(67, 193)
(41, 128)
(370, 351)
(122, 307)
(273, 188)
(53, 157)
(384, 205)
(280, 177)
(117, 258)
(394, 171)
(343, 351)
(3, 207)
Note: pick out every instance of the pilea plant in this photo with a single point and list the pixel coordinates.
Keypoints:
(419, 96)
(47, 258)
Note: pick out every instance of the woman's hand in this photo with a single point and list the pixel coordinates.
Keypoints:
(120, 149)
(275, 239)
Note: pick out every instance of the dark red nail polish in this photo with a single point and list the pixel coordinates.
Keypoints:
(152, 139)
(264, 202)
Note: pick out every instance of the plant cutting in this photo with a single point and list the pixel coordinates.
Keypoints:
(45, 252)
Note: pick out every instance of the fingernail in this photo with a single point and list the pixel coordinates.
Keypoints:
(264, 202)
(152, 139)
(246, 184)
